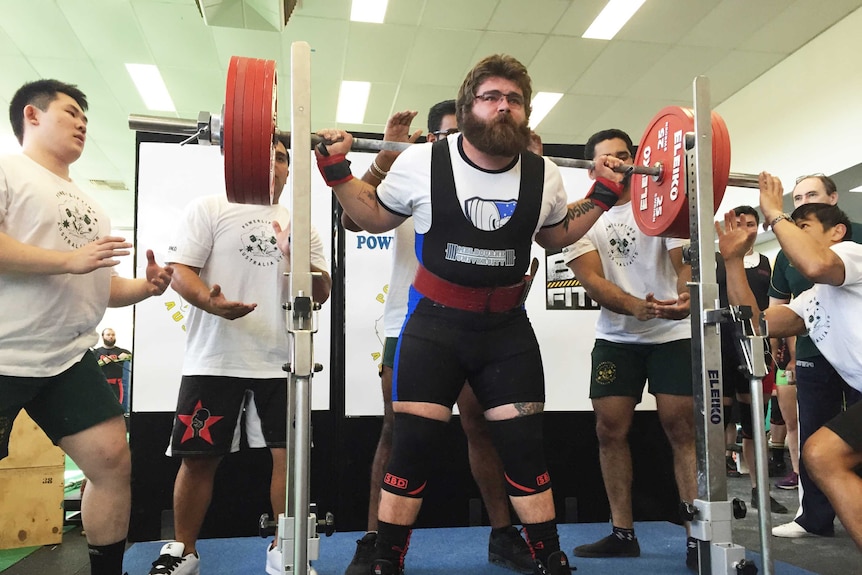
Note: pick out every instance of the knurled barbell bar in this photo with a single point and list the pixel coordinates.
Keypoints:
(247, 127)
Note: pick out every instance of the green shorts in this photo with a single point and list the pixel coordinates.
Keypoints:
(389, 348)
(61, 405)
(622, 369)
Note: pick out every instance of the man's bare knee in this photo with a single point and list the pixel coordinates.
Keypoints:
(679, 432)
(611, 432)
(199, 466)
(822, 453)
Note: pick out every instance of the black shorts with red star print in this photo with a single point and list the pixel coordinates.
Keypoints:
(214, 413)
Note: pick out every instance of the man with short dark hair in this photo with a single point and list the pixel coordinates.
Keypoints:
(56, 255)
(818, 247)
(477, 201)
(643, 333)
(821, 392)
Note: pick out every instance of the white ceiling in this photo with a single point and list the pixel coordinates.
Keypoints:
(419, 56)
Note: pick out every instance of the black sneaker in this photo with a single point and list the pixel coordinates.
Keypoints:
(557, 564)
(774, 505)
(384, 567)
(610, 546)
(361, 562)
(508, 549)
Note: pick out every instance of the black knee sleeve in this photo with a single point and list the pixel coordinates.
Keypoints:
(745, 420)
(775, 417)
(519, 443)
(415, 447)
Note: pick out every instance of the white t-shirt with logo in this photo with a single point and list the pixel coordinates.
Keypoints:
(487, 197)
(831, 315)
(234, 246)
(639, 264)
(47, 322)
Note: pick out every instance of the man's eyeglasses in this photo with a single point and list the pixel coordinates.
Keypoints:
(443, 133)
(494, 96)
(805, 177)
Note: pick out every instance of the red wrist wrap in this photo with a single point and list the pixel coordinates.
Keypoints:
(334, 169)
(605, 193)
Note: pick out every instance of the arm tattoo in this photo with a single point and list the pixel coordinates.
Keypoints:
(368, 197)
(577, 210)
(529, 408)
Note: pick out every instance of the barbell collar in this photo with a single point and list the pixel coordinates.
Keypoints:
(162, 125)
(743, 180)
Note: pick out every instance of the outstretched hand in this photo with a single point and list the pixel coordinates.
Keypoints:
(97, 254)
(733, 240)
(398, 128)
(222, 307)
(771, 197)
(158, 277)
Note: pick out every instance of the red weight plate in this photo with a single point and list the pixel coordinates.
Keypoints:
(237, 165)
(661, 207)
(247, 148)
(249, 126)
(258, 133)
(241, 113)
(720, 158)
(271, 88)
(252, 145)
(261, 192)
(228, 127)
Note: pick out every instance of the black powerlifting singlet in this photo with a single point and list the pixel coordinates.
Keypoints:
(457, 251)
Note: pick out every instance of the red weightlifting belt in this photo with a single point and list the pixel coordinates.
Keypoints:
(484, 299)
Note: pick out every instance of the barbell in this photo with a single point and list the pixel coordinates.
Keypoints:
(247, 128)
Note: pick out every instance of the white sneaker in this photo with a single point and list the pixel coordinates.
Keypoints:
(792, 530)
(275, 562)
(172, 562)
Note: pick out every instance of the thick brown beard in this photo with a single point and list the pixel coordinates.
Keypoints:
(501, 136)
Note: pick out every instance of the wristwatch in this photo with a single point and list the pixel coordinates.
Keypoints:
(778, 218)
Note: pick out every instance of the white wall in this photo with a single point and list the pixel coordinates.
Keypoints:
(803, 115)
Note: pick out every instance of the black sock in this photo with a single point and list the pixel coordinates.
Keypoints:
(392, 542)
(107, 559)
(624, 534)
(502, 530)
(542, 539)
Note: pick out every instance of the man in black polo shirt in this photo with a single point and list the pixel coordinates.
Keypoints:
(112, 359)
